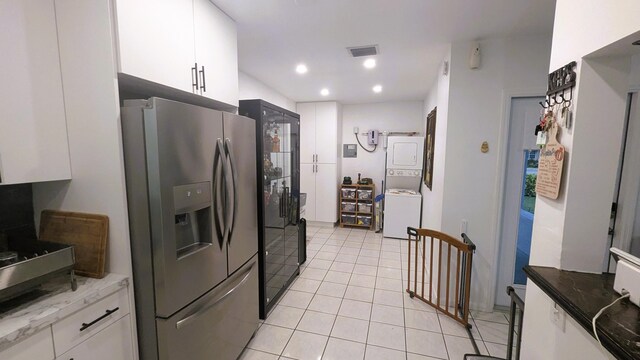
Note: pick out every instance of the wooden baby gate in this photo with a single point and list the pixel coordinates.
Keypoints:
(454, 250)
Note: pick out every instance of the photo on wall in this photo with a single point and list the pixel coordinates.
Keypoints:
(429, 146)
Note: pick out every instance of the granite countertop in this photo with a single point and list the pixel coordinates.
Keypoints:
(582, 295)
(30, 313)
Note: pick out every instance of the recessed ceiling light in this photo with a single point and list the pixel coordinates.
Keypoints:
(369, 63)
(377, 88)
(301, 69)
(324, 92)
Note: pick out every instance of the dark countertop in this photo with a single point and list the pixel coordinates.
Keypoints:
(582, 295)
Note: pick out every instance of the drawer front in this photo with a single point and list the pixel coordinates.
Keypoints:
(87, 322)
(38, 346)
(112, 343)
(217, 326)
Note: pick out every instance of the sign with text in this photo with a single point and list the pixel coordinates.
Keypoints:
(550, 168)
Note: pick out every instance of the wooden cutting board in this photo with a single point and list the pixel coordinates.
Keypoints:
(87, 232)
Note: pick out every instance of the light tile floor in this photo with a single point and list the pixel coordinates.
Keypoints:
(349, 303)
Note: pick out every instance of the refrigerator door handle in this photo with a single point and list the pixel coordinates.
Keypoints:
(204, 308)
(234, 179)
(220, 221)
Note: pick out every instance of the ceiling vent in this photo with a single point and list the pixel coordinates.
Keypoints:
(358, 51)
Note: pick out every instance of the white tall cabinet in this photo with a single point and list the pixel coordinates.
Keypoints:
(320, 139)
(33, 131)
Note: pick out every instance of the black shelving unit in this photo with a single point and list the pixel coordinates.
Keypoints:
(278, 169)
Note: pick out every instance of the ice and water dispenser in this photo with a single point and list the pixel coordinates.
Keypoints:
(193, 220)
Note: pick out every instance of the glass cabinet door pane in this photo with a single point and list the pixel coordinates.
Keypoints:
(291, 141)
(274, 203)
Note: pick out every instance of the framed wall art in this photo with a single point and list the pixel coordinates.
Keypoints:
(429, 146)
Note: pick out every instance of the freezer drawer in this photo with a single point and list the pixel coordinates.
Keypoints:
(216, 326)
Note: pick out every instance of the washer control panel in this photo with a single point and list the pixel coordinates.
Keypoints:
(403, 172)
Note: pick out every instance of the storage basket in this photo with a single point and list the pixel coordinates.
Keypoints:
(348, 193)
(365, 194)
(348, 219)
(364, 208)
(364, 220)
(348, 206)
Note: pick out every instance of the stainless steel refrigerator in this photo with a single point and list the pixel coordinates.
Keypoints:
(192, 198)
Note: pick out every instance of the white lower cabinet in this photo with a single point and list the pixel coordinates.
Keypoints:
(308, 186)
(84, 324)
(327, 192)
(114, 342)
(320, 183)
(38, 346)
(100, 331)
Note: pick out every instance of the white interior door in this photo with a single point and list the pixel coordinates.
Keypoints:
(627, 221)
(327, 193)
(326, 132)
(518, 206)
(308, 186)
(307, 112)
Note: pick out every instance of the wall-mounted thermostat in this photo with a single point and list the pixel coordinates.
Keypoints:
(349, 150)
(372, 137)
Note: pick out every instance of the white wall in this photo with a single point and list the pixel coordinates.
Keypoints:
(476, 113)
(388, 116)
(252, 88)
(93, 126)
(438, 96)
(570, 233)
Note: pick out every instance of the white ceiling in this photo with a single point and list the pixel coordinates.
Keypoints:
(275, 35)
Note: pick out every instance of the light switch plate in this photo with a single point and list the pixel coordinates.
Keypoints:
(558, 316)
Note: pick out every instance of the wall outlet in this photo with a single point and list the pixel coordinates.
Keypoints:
(558, 316)
(355, 130)
(464, 224)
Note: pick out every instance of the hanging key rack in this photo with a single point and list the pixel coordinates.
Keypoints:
(560, 81)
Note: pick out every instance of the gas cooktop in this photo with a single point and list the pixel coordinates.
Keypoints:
(25, 264)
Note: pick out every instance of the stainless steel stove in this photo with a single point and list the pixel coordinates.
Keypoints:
(25, 264)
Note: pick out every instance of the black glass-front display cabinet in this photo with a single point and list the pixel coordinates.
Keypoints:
(278, 169)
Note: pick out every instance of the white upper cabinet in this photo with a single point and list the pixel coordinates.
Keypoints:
(189, 45)
(327, 133)
(216, 52)
(319, 132)
(155, 39)
(307, 112)
(33, 131)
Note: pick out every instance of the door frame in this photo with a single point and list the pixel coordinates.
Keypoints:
(503, 143)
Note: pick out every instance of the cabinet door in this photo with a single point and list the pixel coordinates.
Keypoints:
(33, 129)
(114, 342)
(327, 132)
(308, 186)
(327, 193)
(217, 51)
(155, 39)
(307, 112)
(38, 346)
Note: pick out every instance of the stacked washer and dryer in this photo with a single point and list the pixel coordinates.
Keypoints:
(403, 176)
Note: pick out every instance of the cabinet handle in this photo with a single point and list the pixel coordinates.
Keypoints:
(194, 77)
(204, 84)
(85, 326)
